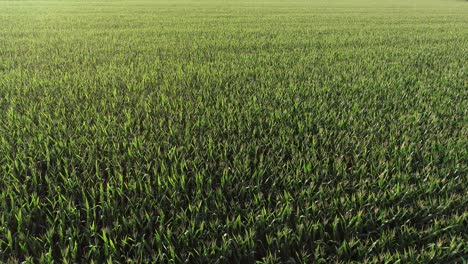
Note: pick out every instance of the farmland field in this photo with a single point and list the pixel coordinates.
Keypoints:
(305, 131)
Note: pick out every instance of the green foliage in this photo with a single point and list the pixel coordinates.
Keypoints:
(233, 131)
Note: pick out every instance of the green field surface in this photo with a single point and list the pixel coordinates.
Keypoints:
(309, 131)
